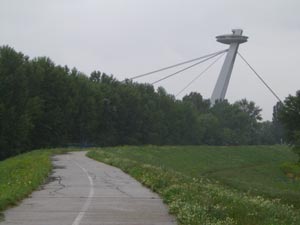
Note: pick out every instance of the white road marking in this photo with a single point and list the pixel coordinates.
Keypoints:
(89, 199)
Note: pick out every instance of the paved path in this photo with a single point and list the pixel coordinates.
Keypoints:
(86, 192)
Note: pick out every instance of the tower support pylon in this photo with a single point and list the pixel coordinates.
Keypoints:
(233, 40)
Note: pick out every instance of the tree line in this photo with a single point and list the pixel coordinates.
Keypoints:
(47, 105)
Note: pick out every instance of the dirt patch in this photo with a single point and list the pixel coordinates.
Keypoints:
(293, 176)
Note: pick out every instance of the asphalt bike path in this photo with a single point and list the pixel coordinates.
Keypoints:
(82, 191)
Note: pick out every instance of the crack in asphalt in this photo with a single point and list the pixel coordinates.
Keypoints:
(61, 186)
(112, 185)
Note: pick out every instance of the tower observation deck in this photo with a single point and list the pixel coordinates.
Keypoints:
(234, 40)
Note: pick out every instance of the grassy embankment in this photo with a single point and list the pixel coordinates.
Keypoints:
(22, 174)
(215, 185)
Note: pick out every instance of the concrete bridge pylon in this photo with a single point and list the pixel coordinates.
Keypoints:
(233, 40)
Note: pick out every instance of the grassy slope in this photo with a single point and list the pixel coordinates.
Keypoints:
(22, 174)
(184, 171)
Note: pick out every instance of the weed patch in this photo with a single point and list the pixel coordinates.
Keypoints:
(292, 170)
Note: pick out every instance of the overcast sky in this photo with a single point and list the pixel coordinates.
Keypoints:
(130, 37)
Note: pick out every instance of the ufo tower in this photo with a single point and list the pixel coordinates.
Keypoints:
(233, 40)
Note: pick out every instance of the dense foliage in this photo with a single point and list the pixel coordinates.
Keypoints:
(44, 105)
(289, 115)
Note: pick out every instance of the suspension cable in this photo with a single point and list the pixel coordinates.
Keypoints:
(186, 68)
(175, 65)
(198, 76)
(260, 78)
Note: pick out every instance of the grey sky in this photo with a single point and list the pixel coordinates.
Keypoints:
(129, 37)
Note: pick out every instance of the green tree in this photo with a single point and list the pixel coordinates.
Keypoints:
(15, 103)
(266, 134)
(277, 126)
(251, 119)
(233, 124)
(197, 101)
(250, 109)
(289, 115)
(95, 76)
